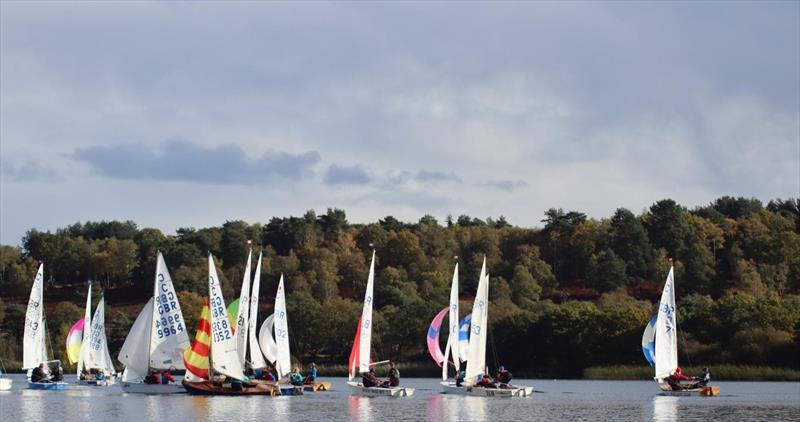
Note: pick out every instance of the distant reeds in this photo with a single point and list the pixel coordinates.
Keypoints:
(718, 372)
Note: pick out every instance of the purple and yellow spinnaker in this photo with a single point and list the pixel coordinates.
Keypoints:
(433, 336)
(74, 341)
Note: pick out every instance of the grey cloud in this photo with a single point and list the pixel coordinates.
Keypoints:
(436, 176)
(344, 175)
(184, 161)
(26, 171)
(506, 185)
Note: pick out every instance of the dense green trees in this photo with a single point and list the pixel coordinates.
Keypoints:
(574, 293)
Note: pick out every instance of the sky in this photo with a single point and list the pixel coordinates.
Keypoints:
(189, 114)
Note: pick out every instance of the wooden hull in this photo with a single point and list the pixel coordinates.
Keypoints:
(53, 386)
(358, 389)
(142, 388)
(5, 384)
(516, 391)
(317, 387)
(706, 391)
(207, 388)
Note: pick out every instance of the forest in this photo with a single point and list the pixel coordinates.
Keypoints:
(571, 294)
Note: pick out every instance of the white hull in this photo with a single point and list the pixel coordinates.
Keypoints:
(5, 384)
(98, 383)
(142, 388)
(356, 388)
(516, 391)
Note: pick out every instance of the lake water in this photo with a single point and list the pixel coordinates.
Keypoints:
(559, 400)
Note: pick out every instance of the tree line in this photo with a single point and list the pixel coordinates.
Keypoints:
(573, 293)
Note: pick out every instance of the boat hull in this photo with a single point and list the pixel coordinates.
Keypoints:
(5, 384)
(47, 385)
(358, 389)
(98, 383)
(208, 388)
(515, 391)
(706, 391)
(142, 388)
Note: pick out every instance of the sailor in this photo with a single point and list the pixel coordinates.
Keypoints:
(675, 379)
(166, 377)
(503, 376)
(368, 379)
(58, 373)
(39, 374)
(394, 375)
(152, 378)
(460, 378)
(486, 382)
(312, 374)
(296, 377)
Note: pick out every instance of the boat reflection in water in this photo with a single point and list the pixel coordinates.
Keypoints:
(360, 408)
(665, 408)
(446, 407)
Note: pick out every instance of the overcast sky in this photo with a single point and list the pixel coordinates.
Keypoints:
(191, 114)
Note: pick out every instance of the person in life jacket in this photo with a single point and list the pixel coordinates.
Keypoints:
(152, 377)
(312, 374)
(675, 379)
(460, 378)
(296, 377)
(166, 377)
(394, 375)
(368, 379)
(503, 376)
(58, 373)
(486, 382)
(39, 374)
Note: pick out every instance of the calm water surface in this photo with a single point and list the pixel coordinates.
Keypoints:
(559, 400)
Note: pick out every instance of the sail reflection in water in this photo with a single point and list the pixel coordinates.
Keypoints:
(360, 408)
(665, 408)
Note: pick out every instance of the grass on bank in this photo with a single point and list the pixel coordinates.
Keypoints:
(718, 372)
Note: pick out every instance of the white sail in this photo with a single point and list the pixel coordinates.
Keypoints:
(266, 341)
(223, 354)
(476, 360)
(365, 341)
(242, 316)
(99, 356)
(167, 337)
(444, 364)
(452, 338)
(135, 351)
(33, 338)
(256, 358)
(283, 364)
(84, 356)
(666, 331)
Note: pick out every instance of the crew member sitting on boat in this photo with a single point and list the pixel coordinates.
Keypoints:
(40, 374)
(486, 382)
(100, 375)
(152, 378)
(166, 377)
(58, 374)
(312, 374)
(296, 377)
(675, 379)
(503, 377)
(394, 375)
(702, 382)
(460, 378)
(368, 379)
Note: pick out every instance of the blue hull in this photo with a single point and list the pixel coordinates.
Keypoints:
(47, 385)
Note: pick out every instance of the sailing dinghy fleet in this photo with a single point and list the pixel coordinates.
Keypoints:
(227, 357)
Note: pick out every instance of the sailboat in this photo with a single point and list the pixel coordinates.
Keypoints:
(362, 348)
(476, 350)
(213, 363)
(157, 338)
(34, 351)
(660, 345)
(87, 346)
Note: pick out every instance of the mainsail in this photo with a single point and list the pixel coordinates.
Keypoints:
(168, 338)
(283, 363)
(224, 353)
(33, 344)
(476, 355)
(256, 358)
(84, 358)
(666, 343)
(365, 340)
(242, 316)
